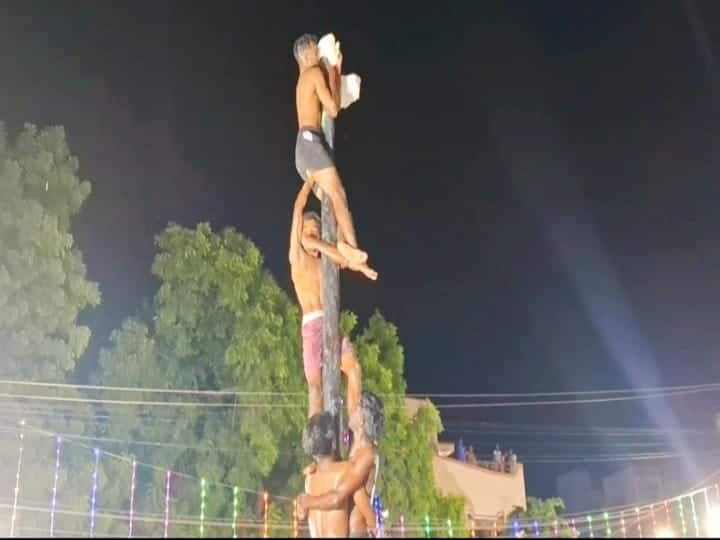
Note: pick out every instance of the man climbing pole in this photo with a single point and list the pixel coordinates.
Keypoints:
(319, 89)
(356, 484)
(306, 274)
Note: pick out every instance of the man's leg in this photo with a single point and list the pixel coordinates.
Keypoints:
(329, 181)
(312, 364)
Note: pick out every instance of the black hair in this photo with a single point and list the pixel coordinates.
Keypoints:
(373, 414)
(320, 436)
(311, 215)
(301, 44)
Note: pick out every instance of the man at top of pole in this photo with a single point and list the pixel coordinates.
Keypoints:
(317, 89)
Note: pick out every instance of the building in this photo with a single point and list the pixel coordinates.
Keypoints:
(489, 494)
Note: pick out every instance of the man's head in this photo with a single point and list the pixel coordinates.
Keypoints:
(305, 50)
(311, 229)
(320, 436)
(369, 417)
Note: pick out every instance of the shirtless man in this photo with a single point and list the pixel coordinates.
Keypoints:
(313, 156)
(357, 481)
(319, 440)
(306, 274)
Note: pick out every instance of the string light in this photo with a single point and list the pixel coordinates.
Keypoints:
(93, 498)
(536, 526)
(639, 523)
(450, 528)
(654, 523)
(265, 514)
(53, 504)
(427, 526)
(622, 524)
(235, 513)
(167, 503)
(667, 514)
(555, 528)
(707, 499)
(590, 527)
(694, 515)
(17, 480)
(202, 508)
(132, 498)
(402, 525)
(717, 491)
(574, 528)
(516, 528)
(682, 517)
(495, 529)
(608, 530)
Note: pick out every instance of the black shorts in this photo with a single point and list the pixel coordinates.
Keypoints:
(312, 152)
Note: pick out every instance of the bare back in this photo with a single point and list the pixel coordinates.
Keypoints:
(307, 101)
(332, 523)
(306, 275)
(358, 522)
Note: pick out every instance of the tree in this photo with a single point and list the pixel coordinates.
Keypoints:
(43, 289)
(543, 512)
(221, 322)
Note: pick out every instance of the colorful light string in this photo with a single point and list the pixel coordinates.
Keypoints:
(694, 516)
(132, 498)
(608, 529)
(235, 511)
(202, 507)
(53, 503)
(266, 506)
(16, 492)
(167, 503)
(590, 527)
(427, 526)
(93, 497)
(682, 518)
(623, 529)
(402, 525)
(639, 523)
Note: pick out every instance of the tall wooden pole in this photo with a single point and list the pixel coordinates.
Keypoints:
(331, 375)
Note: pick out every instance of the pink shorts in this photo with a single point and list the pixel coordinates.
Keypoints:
(312, 348)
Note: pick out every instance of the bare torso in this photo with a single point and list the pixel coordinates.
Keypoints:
(333, 523)
(358, 524)
(307, 102)
(306, 274)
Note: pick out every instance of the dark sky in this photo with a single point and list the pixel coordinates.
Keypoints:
(534, 181)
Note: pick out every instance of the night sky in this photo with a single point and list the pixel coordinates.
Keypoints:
(534, 181)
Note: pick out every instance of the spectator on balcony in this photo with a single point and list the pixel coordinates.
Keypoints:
(497, 458)
(461, 455)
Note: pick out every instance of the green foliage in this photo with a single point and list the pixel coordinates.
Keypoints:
(546, 512)
(222, 322)
(42, 275)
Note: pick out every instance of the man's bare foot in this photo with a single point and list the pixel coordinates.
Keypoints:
(365, 269)
(352, 254)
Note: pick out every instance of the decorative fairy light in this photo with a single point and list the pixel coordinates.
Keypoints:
(682, 518)
(516, 528)
(132, 498)
(402, 525)
(93, 498)
(555, 528)
(202, 508)
(667, 514)
(536, 526)
(53, 504)
(235, 513)
(574, 528)
(266, 504)
(427, 526)
(167, 503)
(622, 524)
(717, 491)
(449, 528)
(639, 523)
(654, 522)
(608, 530)
(590, 527)
(16, 493)
(707, 499)
(696, 526)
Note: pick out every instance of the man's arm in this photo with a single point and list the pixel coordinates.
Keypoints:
(326, 249)
(352, 479)
(327, 99)
(362, 502)
(297, 220)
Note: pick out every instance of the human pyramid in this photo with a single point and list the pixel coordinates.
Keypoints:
(338, 494)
